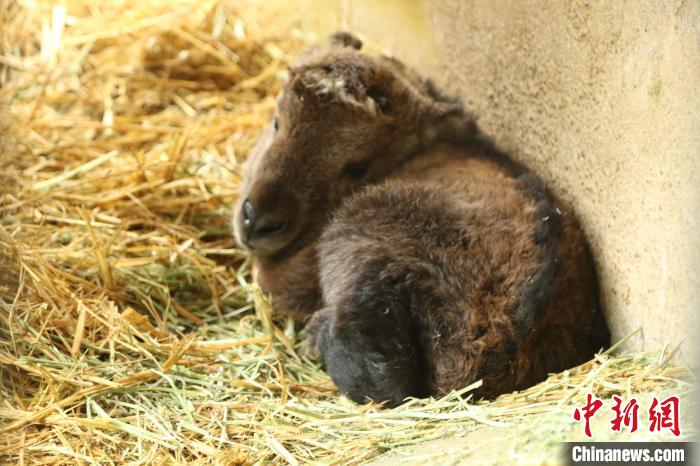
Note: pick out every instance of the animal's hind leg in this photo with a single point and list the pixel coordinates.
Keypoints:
(369, 351)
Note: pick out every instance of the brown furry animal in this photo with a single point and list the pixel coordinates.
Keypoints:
(429, 259)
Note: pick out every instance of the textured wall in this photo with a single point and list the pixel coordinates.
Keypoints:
(600, 98)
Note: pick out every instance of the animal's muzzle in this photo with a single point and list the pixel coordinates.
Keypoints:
(257, 224)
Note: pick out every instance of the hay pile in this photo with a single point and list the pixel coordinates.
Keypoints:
(129, 328)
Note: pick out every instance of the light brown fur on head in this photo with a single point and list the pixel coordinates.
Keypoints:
(343, 120)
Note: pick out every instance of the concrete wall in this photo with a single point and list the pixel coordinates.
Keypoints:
(600, 98)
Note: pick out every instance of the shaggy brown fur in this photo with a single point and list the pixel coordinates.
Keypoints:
(429, 259)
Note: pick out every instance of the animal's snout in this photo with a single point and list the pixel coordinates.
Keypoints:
(258, 224)
(269, 217)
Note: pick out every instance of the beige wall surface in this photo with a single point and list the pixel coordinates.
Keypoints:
(602, 99)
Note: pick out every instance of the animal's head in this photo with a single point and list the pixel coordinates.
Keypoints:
(343, 119)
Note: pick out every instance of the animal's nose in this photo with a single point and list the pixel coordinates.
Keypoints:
(248, 214)
(258, 224)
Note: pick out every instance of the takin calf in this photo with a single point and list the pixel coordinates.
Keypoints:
(422, 258)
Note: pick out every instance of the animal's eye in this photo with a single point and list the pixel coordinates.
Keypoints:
(356, 170)
(276, 123)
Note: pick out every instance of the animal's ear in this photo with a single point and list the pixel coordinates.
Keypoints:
(391, 93)
(400, 92)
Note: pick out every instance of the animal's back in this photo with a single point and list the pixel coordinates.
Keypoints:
(487, 276)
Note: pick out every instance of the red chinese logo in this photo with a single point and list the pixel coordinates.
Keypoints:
(667, 417)
(662, 414)
(588, 411)
(626, 415)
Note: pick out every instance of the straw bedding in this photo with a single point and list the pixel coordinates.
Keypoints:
(130, 331)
